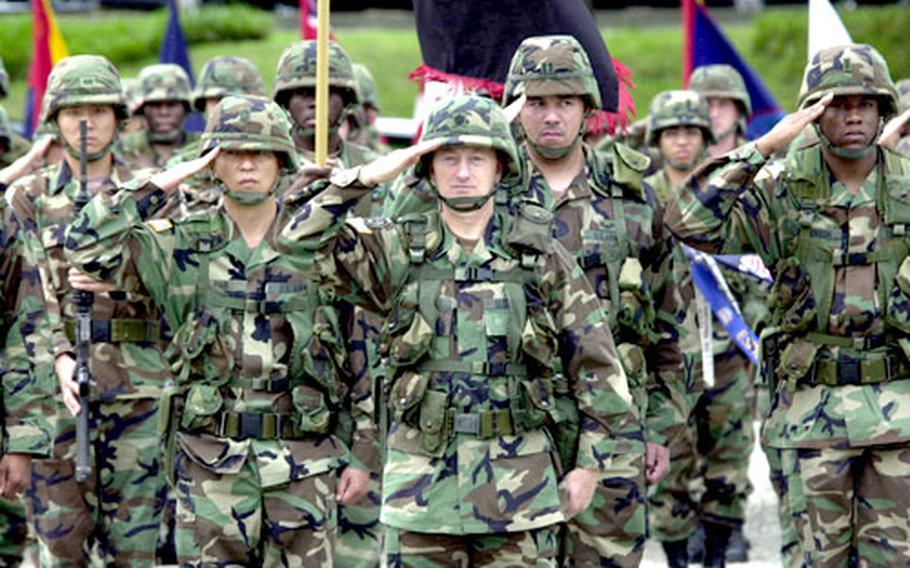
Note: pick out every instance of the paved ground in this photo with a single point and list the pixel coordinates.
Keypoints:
(762, 527)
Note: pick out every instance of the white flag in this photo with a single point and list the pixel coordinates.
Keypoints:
(825, 27)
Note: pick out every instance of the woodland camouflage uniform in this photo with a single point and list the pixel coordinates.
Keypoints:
(471, 476)
(835, 347)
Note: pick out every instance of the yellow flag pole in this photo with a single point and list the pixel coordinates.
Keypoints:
(322, 83)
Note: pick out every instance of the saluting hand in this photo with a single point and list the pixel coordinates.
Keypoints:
(390, 166)
(789, 127)
(892, 131)
(26, 163)
(169, 179)
(81, 281)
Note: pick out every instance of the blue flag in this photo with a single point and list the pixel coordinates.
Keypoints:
(709, 280)
(174, 50)
(706, 44)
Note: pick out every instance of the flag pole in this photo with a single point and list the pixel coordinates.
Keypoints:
(322, 83)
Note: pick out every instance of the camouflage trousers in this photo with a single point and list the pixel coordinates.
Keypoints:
(112, 518)
(359, 540)
(532, 548)
(612, 530)
(851, 507)
(232, 520)
(709, 464)
(13, 532)
(790, 552)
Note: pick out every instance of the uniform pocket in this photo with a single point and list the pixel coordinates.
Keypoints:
(202, 403)
(313, 414)
(408, 347)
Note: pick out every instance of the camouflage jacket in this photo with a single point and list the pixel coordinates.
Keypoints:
(256, 341)
(135, 149)
(127, 356)
(28, 371)
(631, 265)
(437, 477)
(841, 294)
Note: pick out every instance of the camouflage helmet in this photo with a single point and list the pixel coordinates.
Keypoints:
(722, 82)
(164, 82)
(297, 68)
(678, 108)
(83, 79)
(131, 93)
(903, 93)
(848, 70)
(249, 122)
(4, 81)
(367, 85)
(224, 76)
(471, 120)
(551, 65)
(6, 130)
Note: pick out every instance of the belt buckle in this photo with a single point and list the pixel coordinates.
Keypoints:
(465, 423)
(250, 426)
(849, 371)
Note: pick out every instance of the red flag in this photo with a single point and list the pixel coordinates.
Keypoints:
(48, 48)
(309, 20)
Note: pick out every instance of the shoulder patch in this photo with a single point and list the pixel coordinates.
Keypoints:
(160, 225)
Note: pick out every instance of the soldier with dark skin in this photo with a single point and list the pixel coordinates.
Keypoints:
(458, 348)
(257, 349)
(829, 225)
(592, 191)
(360, 534)
(164, 91)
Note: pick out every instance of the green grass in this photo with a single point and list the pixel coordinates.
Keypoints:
(774, 43)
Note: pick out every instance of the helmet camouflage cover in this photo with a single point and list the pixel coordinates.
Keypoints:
(164, 82)
(678, 108)
(83, 79)
(722, 82)
(131, 93)
(903, 92)
(367, 85)
(297, 68)
(223, 76)
(848, 70)
(551, 65)
(4, 81)
(471, 120)
(248, 122)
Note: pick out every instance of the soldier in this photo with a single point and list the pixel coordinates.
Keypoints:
(480, 302)
(362, 120)
(131, 92)
(607, 218)
(830, 226)
(360, 532)
(164, 91)
(257, 349)
(28, 380)
(729, 105)
(716, 447)
(295, 90)
(113, 516)
(16, 146)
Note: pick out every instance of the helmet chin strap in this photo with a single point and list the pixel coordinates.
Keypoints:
(466, 204)
(309, 132)
(170, 137)
(844, 153)
(554, 153)
(89, 156)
